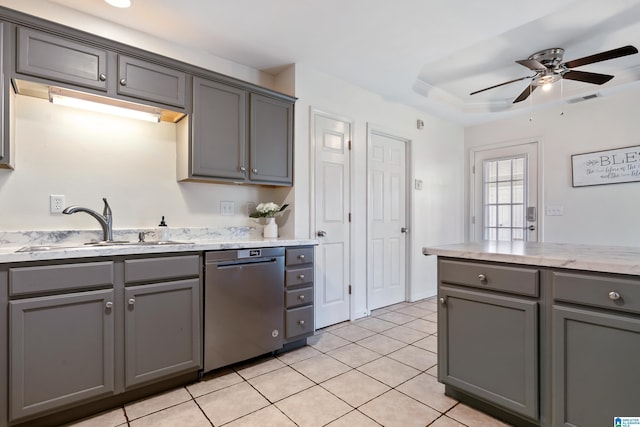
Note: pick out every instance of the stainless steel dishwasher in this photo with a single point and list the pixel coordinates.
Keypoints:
(243, 305)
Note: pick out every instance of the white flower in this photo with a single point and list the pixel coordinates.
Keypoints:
(267, 210)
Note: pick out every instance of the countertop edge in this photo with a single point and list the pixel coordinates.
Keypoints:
(596, 258)
(8, 254)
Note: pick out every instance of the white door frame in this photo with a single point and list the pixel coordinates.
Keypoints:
(472, 192)
(312, 185)
(372, 128)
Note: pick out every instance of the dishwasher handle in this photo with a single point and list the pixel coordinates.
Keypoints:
(245, 262)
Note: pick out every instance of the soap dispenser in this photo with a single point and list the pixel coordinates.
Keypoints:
(162, 233)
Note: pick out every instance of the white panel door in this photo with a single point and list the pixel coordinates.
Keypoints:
(387, 220)
(332, 180)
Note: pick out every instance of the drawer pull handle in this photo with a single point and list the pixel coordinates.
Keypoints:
(443, 301)
(109, 304)
(301, 276)
(482, 278)
(301, 322)
(301, 297)
(613, 295)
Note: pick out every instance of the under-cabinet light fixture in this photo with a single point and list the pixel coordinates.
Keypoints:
(100, 104)
(119, 3)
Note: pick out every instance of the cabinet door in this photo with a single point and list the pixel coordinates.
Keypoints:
(271, 148)
(595, 367)
(162, 330)
(219, 133)
(56, 58)
(61, 350)
(151, 82)
(488, 347)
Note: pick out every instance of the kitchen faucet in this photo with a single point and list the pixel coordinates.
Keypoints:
(105, 220)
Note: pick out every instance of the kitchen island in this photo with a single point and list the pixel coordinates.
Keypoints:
(540, 334)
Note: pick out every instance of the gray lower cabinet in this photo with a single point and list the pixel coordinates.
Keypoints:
(162, 330)
(298, 277)
(488, 333)
(596, 345)
(61, 350)
(234, 135)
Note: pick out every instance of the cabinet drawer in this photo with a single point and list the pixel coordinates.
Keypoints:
(164, 268)
(298, 297)
(299, 321)
(296, 256)
(48, 278)
(514, 280)
(298, 276)
(596, 290)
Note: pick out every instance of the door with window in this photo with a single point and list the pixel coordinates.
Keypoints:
(505, 183)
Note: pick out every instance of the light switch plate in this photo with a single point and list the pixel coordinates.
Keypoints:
(227, 208)
(418, 184)
(554, 210)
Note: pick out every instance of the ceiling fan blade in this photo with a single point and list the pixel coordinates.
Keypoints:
(602, 56)
(525, 93)
(501, 84)
(583, 76)
(532, 64)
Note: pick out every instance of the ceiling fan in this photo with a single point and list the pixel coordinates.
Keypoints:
(549, 68)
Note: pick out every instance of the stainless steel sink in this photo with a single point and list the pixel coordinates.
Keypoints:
(44, 248)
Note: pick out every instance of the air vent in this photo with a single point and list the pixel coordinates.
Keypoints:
(583, 98)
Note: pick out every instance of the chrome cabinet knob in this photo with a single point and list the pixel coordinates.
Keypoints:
(254, 170)
(301, 322)
(123, 82)
(109, 304)
(243, 169)
(613, 296)
(301, 256)
(301, 297)
(482, 278)
(321, 233)
(443, 301)
(301, 276)
(131, 301)
(102, 77)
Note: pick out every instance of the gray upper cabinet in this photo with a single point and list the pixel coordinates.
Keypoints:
(61, 350)
(271, 148)
(58, 59)
(48, 56)
(153, 82)
(219, 131)
(235, 135)
(162, 330)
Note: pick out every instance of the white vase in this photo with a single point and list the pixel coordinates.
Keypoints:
(270, 230)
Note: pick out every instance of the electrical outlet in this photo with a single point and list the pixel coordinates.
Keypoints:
(56, 203)
(227, 208)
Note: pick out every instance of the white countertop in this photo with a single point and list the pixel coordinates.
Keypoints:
(67, 251)
(608, 259)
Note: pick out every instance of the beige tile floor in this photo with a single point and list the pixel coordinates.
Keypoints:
(380, 370)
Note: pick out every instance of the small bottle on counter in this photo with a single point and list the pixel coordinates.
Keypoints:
(162, 234)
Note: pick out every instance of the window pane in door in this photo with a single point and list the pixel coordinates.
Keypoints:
(503, 198)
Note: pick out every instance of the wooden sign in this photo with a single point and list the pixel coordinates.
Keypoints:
(606, 167)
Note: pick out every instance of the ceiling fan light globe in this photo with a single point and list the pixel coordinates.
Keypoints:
(119, 3)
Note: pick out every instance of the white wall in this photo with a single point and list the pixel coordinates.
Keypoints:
(437, 159)
(605, 214)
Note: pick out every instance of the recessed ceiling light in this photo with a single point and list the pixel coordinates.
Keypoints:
(119, 3)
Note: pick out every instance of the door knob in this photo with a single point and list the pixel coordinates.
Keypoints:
(532, 228)
(321, 233)
(404, 230)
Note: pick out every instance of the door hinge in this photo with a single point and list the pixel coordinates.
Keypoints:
(349, 216)
(349, 144)
(349, 289)
(473, 169)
